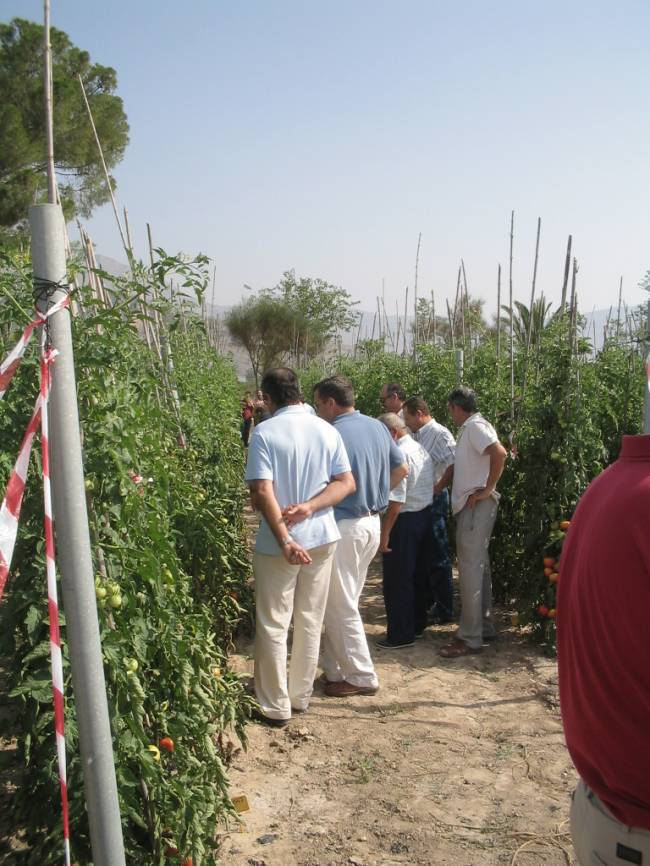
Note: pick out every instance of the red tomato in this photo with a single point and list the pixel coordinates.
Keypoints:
(542, 610)
(167, 743)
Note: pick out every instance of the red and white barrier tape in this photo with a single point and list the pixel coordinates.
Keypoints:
(13, 500)
(47, 357)
(10, 516)
(13, 359)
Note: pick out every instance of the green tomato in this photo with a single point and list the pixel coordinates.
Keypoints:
(132, 665)
(167, 574)
(115, 601)
(89, 484)
(100, 592)
(555, 455)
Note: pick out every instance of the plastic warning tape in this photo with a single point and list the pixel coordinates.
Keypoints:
(13, 359)
(47, 357)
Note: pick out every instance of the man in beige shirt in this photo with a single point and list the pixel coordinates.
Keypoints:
(480, 459)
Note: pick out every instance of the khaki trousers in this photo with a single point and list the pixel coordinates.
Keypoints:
(473, 531)
(283, 591)
(599, 839)
(345, 647)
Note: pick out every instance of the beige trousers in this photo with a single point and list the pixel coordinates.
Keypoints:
(599, 839)
(345, 647)
(283, 592)
(473, 531)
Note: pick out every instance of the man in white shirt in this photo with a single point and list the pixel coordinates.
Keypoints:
(480, 459)
(441, 447)
(294, 457)
(406, 542)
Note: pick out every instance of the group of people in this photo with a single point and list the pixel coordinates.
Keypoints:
(335, 487)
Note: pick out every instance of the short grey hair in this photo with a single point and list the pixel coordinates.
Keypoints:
(393, 421)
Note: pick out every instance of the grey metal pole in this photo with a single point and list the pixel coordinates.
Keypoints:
(74, 555)
(646, 414)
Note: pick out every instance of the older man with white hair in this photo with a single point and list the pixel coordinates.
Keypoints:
(406, 542)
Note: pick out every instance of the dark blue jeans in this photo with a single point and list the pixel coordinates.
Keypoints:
(441, 590)
(406, 575)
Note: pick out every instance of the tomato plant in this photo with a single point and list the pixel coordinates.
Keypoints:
(171, 576)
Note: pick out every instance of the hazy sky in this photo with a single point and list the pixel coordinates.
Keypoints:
(325, 136)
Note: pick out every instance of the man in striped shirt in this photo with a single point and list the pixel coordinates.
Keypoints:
(406, 542)
(441, 447)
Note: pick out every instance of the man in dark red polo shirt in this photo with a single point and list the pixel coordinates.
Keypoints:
(603, 624)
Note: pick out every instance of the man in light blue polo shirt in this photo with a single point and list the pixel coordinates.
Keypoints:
(294, 457)
(378, 465)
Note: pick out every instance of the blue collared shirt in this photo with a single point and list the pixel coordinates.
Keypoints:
(372, 454)
(299, 453)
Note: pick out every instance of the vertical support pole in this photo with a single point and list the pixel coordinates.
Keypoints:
(460, 365)
(74, 553)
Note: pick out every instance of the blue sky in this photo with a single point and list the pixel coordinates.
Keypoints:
(326, 136)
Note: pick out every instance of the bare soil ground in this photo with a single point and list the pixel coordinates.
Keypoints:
(452, 762)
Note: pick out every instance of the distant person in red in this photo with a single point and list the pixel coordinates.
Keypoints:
(603, 638)
(246, 418)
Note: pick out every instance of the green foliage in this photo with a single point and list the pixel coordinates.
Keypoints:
(264, 326)
(567, 428)
(22, 123)
(294, 322)
(172, 580)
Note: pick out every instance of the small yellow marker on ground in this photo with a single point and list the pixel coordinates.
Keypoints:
(241, 803)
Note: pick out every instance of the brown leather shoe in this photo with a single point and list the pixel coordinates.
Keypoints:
(344, 689)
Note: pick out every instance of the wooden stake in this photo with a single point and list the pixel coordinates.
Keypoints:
(498, 314)
(565, 283)
(529, 334)
(512, 341)
(406, 317)
(106, 174)
(415, 296)
(49, 108)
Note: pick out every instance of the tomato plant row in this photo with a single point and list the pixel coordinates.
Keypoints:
(171, 580)
(567, 427)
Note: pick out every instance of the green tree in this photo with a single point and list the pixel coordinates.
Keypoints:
(266, 328)
(22, 124)
(326, 309)
(523, 320)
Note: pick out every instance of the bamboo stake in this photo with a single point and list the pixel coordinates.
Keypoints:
(406, 318)
(467, 310)
(456, 298)
(451, 325)
(128, 231)
(618, 314)
(530, 312)
(512, 341)
(49, 109)
(387, 325)
(565, 283)
(415, 295)
(433, 318)
(573, 308)
(498, 314)
(106, 174)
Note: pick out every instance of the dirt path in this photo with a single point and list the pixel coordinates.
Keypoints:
(451, 762)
